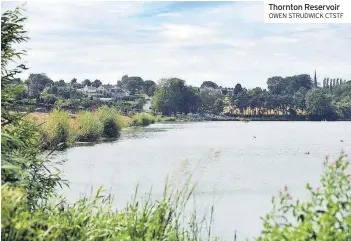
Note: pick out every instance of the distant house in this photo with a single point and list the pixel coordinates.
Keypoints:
(89, 91)
(101, 88)
(113, 91)
(119, 92)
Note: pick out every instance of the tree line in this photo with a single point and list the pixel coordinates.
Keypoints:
(290, 96)
(284, 96)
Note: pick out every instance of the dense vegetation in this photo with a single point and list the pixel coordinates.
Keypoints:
(291, 96)
(30, 210)
(61, 128)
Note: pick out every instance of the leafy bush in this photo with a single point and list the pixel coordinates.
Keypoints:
(169, 118)
(20, 165)
(95, 219)
(109, 117)
(143, 119)
(89, 127)
(326, 216)
(56, 130)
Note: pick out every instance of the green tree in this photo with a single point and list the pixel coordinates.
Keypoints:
(241, 101)
(20, 165)
(318, 105)
(60, 83)
(37, 83)
(86, 82)
(73, 81)
(299, 99)
(150, 87)
(134, 84)
(209, 84)
(211, 102)
(238, 89)
(174, 96)
(96, 83)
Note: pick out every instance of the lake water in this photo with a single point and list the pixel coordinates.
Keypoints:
(238, 166)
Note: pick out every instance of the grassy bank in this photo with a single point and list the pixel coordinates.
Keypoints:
(63, 128)
(96, 219)
(326, 215)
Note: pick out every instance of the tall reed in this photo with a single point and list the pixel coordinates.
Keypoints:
(56, 130)
(89, 127)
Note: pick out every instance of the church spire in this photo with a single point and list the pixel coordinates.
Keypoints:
(315, 79)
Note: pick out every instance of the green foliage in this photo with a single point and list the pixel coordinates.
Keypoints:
(174, 96)
(20, 165)
(143, 119)
(37, 83)
(95, 219)
(325, 216)
(86, 82)
(96, 83)
(209, 84)
(133, 84)
(211, 102)
(89, 127)
(110, 118)
(169, 118)
(318, 104)
(150, 87)
(56, 130)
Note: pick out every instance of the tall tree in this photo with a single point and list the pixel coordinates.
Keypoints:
(209, 84)
(237, 89)
(174, 96)
(37, 82)
(73, 81)
(134, 84)
(60, 83)
(211, 102)
(318, 105)
(96, 83)
(19, 138)
(150, 87)
(86, 82)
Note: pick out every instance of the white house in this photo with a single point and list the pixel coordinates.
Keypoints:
(119, 92)
(115, 91)
(89, 91)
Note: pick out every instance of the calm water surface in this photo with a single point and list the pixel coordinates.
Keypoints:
(238, 166)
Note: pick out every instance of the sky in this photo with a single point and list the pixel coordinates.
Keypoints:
(224, 42)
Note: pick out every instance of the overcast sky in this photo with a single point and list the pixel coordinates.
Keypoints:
(225, 42)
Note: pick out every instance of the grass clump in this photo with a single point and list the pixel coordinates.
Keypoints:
(109, 117)
(89, 127)
(56, 130)
(143, 119)
(95, 219)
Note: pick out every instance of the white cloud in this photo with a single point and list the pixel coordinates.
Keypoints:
(226, 44)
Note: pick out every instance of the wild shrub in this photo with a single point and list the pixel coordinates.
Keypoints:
(96, 219)
(56, 130)
(143, 119)
(169, 118)
(325, 216)
(89, 127)
(109, 117)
